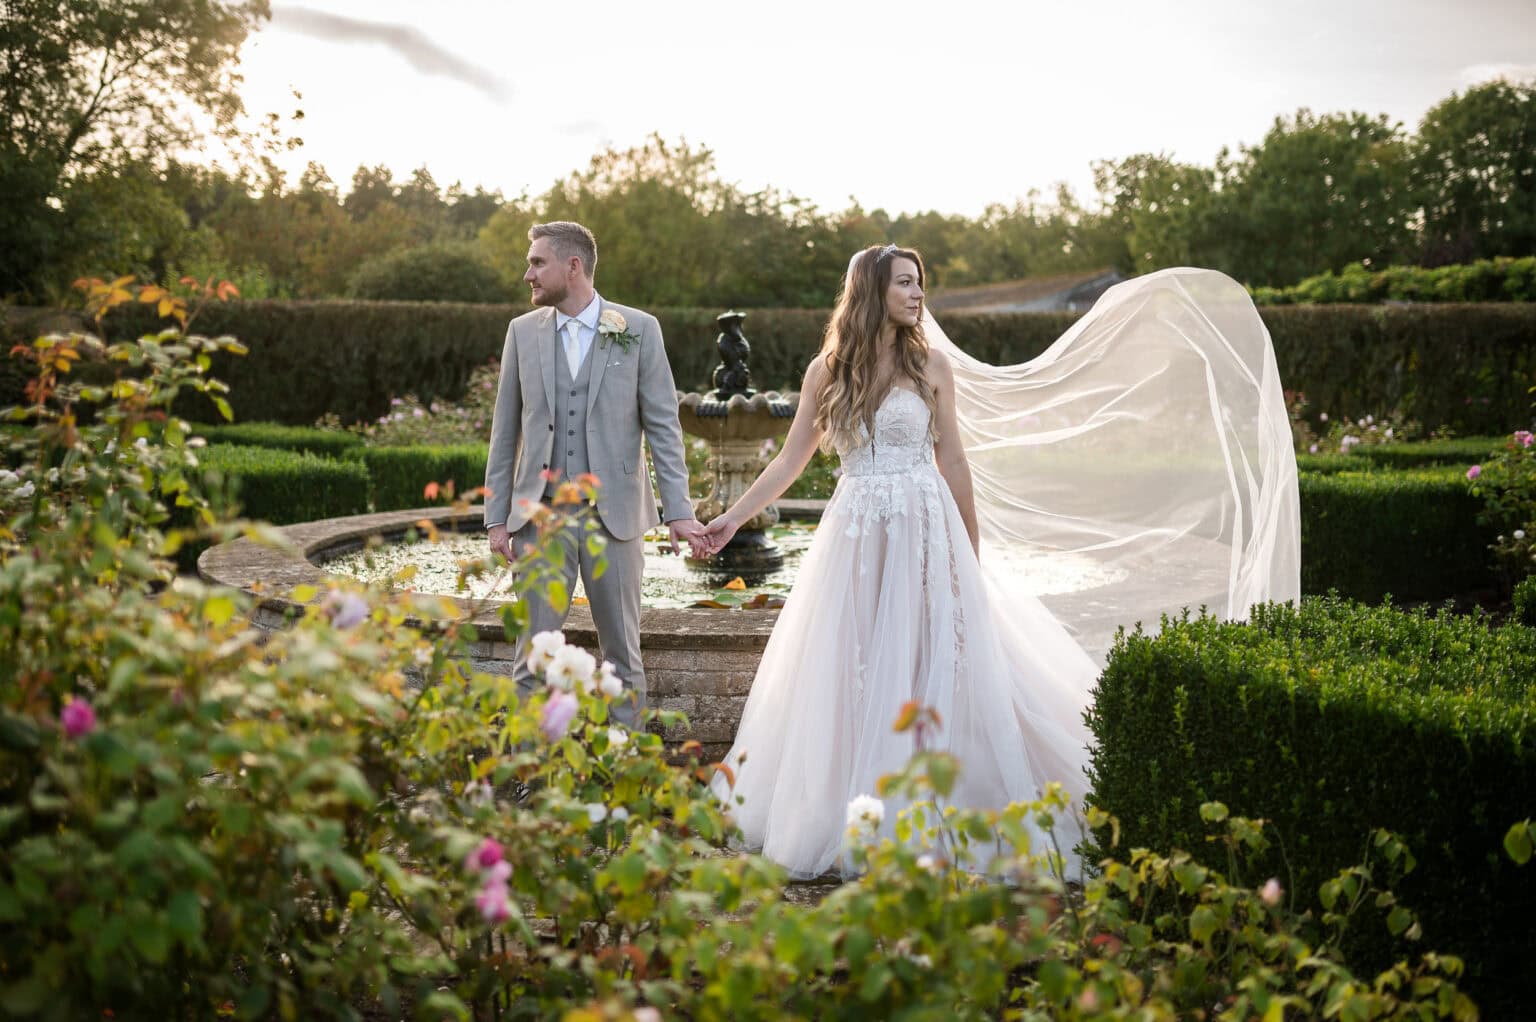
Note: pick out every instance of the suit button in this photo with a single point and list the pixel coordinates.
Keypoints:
(571, 453)
(573, 394)
(573, 411)
(570, 432)
(545, 465)
(551, 427)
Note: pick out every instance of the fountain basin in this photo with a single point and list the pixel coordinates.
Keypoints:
(698, 661)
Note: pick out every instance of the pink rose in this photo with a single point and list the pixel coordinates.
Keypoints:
(78, 719)
(486, 855)
(558, 713)
(1270, 893)
(345, 609)
(1474, 471)
(493, 903)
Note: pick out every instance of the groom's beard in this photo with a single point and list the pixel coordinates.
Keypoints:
(549, 296)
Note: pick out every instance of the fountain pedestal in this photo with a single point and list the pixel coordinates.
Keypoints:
(738, 423)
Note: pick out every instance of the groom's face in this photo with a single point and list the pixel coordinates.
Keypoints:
(548, 276)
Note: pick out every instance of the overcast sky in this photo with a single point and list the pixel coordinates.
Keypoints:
(906, 106)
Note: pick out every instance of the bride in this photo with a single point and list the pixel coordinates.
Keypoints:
(991, 528)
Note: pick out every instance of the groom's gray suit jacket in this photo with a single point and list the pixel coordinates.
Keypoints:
(630, 394)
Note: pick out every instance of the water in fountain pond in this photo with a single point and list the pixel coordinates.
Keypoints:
(671, 582)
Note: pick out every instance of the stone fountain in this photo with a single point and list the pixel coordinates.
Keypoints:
(736, 421)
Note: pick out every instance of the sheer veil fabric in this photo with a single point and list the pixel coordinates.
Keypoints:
(1140, 465)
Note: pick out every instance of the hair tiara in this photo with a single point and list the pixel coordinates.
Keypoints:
(886, 251)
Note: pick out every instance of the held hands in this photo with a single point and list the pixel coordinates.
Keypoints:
(717, 534)
(690, 530)
(501, 542)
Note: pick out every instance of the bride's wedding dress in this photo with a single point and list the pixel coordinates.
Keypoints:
(1142, 464)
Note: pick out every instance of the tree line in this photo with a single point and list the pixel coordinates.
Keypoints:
(99, 169)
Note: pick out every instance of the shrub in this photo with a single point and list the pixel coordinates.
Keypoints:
(441, 272)
(284, 487)
(1463, 366)
(1487, 280)
(329, 443)
(1332, 720)
(1413, 534)
(1525, 601)
(398, 475)
(1506, 481)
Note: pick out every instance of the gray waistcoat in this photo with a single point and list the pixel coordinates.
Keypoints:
(570, 452)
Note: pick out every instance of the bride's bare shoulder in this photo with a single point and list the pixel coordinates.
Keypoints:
(939, 368)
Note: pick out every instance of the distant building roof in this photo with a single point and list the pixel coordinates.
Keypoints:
(1061, 292)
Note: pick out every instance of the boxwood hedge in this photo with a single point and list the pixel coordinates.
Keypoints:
(1332, 719)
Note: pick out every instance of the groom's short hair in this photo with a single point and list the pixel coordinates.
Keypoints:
(569, 239)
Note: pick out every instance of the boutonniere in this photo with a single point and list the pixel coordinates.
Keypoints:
(611, 327)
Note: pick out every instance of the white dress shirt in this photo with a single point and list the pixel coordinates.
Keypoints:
(586, 328)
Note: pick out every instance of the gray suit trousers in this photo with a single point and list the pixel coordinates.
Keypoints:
(614, 601)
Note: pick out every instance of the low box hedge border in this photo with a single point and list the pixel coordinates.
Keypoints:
(1329, 720)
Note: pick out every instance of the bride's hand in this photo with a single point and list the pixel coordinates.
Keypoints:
(718, 533)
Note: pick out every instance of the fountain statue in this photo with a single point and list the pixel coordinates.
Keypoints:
(736, 422)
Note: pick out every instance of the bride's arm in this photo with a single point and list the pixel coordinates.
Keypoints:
(948, 451)
(785, 467)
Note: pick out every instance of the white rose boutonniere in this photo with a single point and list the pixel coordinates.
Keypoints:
(612, 328)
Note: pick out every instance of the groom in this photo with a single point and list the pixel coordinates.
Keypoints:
(582, 379)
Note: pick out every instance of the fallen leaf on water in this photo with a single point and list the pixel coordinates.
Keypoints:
(736, 583)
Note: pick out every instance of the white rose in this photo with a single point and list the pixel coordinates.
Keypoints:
(596, 811)
(8, 479)
(541, 648)
(866, 813)
(1519, 533)
(26, 490)
(617, 737)
(620, 813)
(571, 664)
(610, 683)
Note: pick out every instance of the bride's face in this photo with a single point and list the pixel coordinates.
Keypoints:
(904, 298)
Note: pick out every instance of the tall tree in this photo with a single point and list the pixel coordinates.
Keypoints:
(100, 85)
(1475, 168)
(1317, 193)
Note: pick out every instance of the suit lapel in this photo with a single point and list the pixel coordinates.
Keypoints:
(599, 356)
(549, 350)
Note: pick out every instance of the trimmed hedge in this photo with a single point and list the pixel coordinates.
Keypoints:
(1501, 279)
(1458, 451)
(1331, 720)
(328, 443)
(1410, 534)
(284, 487)
(1463, 366)
(399, 474)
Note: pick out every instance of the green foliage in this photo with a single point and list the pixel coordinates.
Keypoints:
(91, 90)
(441, 272)
(328, 443)
(399, 475)
(1473, 166)
(1331, 721)
(1506, 482)
(284, 487)
(339, 819)
(465, 421)
(1501, 279)
(1524, 601)
(1412, 534)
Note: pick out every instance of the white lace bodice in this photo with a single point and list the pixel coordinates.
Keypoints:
(902, 440)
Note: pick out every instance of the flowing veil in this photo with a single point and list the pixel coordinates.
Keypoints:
(1139, 465)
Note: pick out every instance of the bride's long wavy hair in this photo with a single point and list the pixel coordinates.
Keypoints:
(852, 390)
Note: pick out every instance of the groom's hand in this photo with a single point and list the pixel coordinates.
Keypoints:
(501, 542)
(687, 529)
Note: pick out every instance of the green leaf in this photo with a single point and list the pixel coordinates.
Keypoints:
(185, 914)
(442, 1004)
(1213, 812)
(1202, 924)
(629, 873)
(152, 939)
(219, 610)
(1518, 842)
(558, 596)
(1398, 920)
